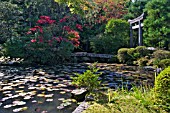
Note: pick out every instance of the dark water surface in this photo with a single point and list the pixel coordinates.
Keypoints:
(49, 90)
(43, 90)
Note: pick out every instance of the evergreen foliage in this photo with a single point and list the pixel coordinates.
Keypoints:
(135, 9)
(9, 20)
(156, 24)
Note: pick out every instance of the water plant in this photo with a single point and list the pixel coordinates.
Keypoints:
(89, 79)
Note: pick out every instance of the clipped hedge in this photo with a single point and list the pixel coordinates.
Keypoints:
(131, 55)
(142, 61)
(161, 54)
(164, 63)
(123, 55)
(142, 51)
(162, 88)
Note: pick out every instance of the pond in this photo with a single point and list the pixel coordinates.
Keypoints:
(47, 89)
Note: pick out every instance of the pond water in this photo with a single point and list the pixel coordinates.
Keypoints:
(23, 89)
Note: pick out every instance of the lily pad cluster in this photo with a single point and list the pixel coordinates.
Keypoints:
(16, 91)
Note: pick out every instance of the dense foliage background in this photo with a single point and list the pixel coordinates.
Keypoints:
(101, 24)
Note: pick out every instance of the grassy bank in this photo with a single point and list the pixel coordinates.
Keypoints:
(139, 100)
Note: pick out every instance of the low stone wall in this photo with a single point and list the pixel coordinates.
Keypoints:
(85, 54)
(92, 57)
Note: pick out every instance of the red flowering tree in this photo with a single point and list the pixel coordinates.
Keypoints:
(52, 40)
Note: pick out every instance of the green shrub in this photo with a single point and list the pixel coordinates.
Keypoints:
(46, 43)
(161, 54)
(116, 36)
(105, 44)
(123, 55)
(138, 53)
(141, 51)
(162, 88)
(14, 48)
(117, 27)
(10, 21)
(142, 61)
(132, 52)
(89, 79)
(164, 63)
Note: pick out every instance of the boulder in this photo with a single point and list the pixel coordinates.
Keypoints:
(79, 94)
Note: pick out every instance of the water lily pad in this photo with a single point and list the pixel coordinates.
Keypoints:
(55, 89)
(9, 95)
(61, 99)
(34, 101)
(32, 93)
(5, 98)
(60, 107)
(22, 94)
(27, 97)
(73, 100)
(49, 100)
(19, 91)
(15, 96)
(38, 85)
(40, 95)
(66, 104)
(20, 109)
(42, 88)
(49, 85)
(8, 106)
(7, 88)
(56, 81)
(31, 88)
(61, 85)
(44, 112)
(39, 102)
(21, 87)
(49, 95)
(32, 80)
(20, 103)
(14, 85)
(2, 74)
(49, 89)
(5, 92)
(62, 92)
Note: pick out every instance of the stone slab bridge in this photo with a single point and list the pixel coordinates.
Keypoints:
(89, 56)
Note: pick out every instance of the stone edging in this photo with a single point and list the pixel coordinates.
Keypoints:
(83, 106)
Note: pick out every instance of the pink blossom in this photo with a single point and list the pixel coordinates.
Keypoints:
(41, 21)
(67, 28)
(33, 40)
(33, 29)
(50, 42)
(40, 39)
(45, 17)
(29, 32)
(51, 21)
(78, 26)
(40, 28)
(62, 20)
